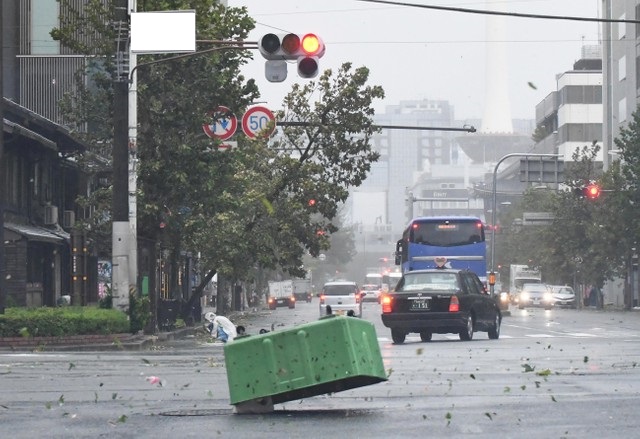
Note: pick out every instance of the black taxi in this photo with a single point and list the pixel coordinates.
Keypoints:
(440, 301)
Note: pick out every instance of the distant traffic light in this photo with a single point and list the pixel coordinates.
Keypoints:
(410, 200)
(592, 191)
(277, 49)
(311, 202)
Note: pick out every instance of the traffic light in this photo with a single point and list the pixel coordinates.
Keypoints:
(592, 191)
(277, 49)
(492, 278)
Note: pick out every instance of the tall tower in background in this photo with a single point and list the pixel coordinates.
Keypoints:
(497, 108)
(496, 137)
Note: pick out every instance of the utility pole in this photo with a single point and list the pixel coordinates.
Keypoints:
(3, 291)
(120, 159)
(133, 163)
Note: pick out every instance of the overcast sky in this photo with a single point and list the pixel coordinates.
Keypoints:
(427, 54)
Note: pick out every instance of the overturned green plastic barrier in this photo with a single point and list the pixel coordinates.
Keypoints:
(330, 355)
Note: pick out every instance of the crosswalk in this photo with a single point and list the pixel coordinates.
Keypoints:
(578, 335)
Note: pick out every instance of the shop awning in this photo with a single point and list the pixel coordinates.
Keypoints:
(35, 233)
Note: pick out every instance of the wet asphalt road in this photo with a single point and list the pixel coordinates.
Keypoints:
(558, 373)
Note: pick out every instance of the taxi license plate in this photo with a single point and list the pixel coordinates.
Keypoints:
(420, 304)
(339, 312)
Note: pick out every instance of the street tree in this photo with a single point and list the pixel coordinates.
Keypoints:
(297, 181)
(240, 209)
(624, 175)
(573, 236)
(576, 246)
(175, 157)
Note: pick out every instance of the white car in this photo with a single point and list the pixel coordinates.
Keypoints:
(342, 298)
(371, 293)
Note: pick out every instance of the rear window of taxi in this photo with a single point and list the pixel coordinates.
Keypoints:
(429, 281)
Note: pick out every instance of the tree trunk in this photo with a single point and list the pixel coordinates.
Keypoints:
(189, 305)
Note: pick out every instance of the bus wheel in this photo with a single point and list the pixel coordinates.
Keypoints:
(425, 336)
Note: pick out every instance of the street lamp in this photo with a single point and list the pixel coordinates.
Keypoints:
(493, 210)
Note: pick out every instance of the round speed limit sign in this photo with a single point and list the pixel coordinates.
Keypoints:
(256, 121)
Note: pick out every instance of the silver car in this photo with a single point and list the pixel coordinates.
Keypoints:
(341, 297)
(563, 296)
(535, 295)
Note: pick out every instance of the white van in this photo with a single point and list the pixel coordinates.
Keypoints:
(341, 297)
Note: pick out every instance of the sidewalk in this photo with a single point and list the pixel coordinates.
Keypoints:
(110, 342)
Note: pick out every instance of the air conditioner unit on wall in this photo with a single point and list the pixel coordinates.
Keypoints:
(50, 215)
(69, 219)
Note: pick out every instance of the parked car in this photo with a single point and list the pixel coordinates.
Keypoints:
(440, 301)
(563, 296)
(535, 294)
(341, 297)
(371, 293)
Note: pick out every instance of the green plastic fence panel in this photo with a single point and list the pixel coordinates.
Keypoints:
(330, 355)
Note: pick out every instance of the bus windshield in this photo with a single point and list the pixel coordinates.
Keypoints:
(373, 278)
(446, 233)
(459, 239)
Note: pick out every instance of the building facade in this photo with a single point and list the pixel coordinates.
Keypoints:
(620, 70)
(427, 164)
(43, 259)
(572, 115)
(620, 99)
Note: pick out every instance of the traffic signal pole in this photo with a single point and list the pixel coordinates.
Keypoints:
(465, 128)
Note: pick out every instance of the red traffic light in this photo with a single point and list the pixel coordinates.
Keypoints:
(290, 47)
(311, 44)
(306, 49)
(311, 202)
(592, 191)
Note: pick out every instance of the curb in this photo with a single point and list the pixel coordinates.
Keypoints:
(133, 343)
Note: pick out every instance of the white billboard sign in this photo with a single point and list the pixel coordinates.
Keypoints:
(163, 31)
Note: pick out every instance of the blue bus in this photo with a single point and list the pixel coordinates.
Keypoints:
(457, 241)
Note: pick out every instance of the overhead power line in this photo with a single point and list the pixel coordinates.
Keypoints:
(506, 14)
